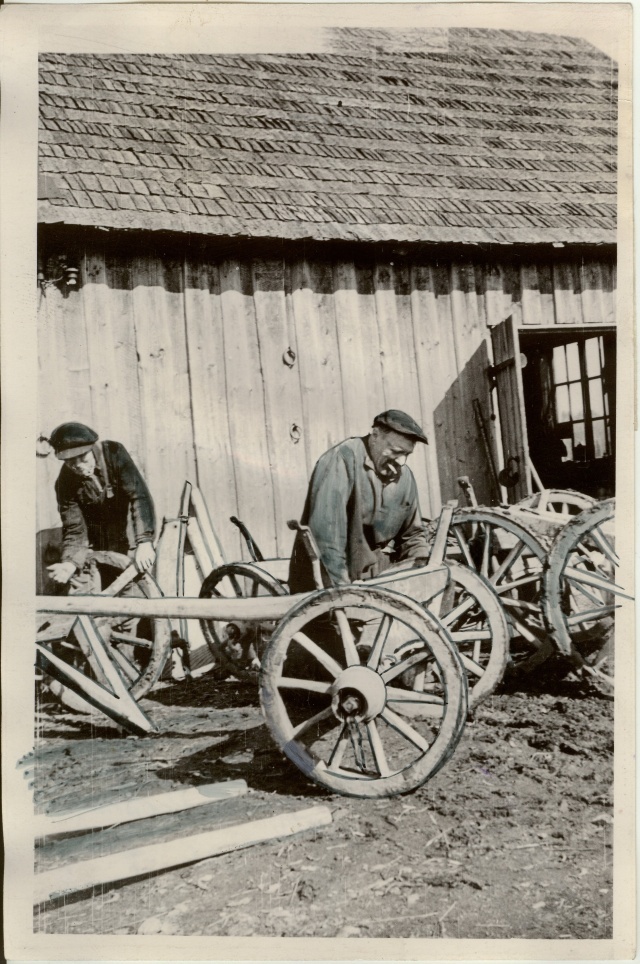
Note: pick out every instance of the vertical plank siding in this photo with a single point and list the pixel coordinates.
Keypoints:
(238, 373)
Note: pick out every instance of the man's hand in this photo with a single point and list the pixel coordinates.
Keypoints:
(144, 557)
(61, 572)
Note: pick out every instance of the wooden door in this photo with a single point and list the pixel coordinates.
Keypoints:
(513, 426)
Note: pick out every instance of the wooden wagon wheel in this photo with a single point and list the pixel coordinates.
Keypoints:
(511, 558)
(580, 589)
(245, 580)
(136, 649)
(470, 610)
(333, 700)
(564, 501)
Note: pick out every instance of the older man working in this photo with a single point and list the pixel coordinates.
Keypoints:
(362, 506)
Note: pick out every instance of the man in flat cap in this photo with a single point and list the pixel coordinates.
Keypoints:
(362, 506)
(98, 488)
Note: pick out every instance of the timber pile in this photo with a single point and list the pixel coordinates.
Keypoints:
(165, 854)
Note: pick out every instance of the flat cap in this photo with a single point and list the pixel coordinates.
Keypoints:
(71, 439)
(400, 422)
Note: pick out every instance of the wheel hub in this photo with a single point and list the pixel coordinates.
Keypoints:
(358, 695)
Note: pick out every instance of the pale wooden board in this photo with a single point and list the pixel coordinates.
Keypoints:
(359, 348)
(399, 363)
(245, 400)
(566, 294)
(282, 398)
(315, 321)
(214, 452)
(159, 327)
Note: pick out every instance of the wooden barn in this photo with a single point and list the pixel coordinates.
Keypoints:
(242, 259)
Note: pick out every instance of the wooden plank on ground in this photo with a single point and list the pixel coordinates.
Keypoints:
(174, 853)
(137, 808)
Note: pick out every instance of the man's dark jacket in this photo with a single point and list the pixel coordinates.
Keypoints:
(99, 521)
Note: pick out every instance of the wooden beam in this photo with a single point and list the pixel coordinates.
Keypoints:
(126, 811)
(263, 607)
(173, 853)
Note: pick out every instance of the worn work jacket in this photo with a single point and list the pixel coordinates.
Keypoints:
(91, 522)
(354, 515)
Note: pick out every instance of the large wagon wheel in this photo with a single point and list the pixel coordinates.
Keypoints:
(511, 558)
(333, 701)
(235, 646)
(580, 589)
(470, 610)
(563, 501)
(137, 648)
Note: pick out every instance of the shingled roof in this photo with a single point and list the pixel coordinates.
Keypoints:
(469, 136)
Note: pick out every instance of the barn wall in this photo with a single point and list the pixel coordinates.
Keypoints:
(238, 373)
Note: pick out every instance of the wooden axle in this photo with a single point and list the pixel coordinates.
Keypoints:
(262, 608)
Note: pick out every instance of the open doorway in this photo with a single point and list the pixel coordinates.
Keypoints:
(570, 406)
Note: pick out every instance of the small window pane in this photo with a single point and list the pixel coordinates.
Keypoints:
(575, 391)
(595, 398)
(578, 435)
(599, 439)
(592, 352)
(573, 361)
(606, 403)
(559, 365)
(563, 412)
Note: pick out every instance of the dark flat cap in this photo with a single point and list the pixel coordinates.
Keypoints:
(400, 422)
(71, 439)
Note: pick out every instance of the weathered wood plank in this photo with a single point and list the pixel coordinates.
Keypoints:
(566, 294)
(531, 297)
(164, 379)
(596, 293)
(358, 346)
(245, 400)
(282, 400)
(398, 357)
(312, 295)
(209, 400)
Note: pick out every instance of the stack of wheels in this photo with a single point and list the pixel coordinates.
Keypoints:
(336, 690)
(511, 558)
(467, 607)
(580, 590)
(137, 648)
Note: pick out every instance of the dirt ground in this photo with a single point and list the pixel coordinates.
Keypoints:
(513, 838)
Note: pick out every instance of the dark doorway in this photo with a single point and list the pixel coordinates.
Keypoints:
(569, 392)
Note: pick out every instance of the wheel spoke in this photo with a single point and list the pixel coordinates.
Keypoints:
(127, 639)
(317, 718)
(470, 635)
(351, 654)
(524, 631)
(604, 546)
(486, 548)
(377, 749)
(590, 615)
(335, 758)
(520, 604)
(402, 727)
(464, 546)
(398, 668)
(395, 695)
(508, 563)
(579, 575)
(129, 669)
(448, 618)
(471, 665)
(576, 588)
(328, 662)
(382, 633)
(310, 685)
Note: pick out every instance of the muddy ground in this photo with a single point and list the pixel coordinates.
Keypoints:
(513, 838)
